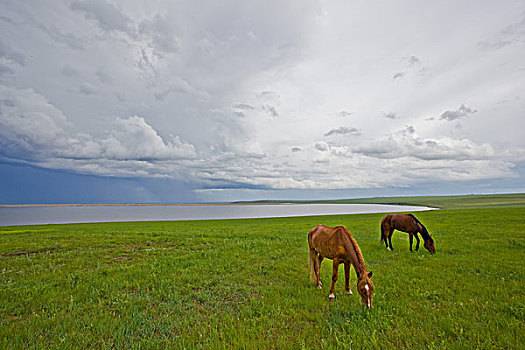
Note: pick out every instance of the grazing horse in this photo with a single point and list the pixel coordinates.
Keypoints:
(406, 223)
(337, 243)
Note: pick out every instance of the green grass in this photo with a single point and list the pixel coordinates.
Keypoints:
(514, 200)
(244, 284)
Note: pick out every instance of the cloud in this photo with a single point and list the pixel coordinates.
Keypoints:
(162, 32)
(11, 55)
(343, 130)
(6, 70)
(104, 13)
(268, 95)
(391, 115)
(29, 124)
(511, 34)
(398, 75)
(413, 61)
(321, 146)
(461, 112)
(406, 143)
(133, 138)
(271, 110)
(244, 106)
(87, 89)
(188, 92)
(34, 130)
(69, 71)
(413, 67)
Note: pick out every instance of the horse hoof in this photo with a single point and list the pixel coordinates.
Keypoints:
(331, 297)
(349, 292)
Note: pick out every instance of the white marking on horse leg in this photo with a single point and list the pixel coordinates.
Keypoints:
(331, 296)
(349, 292)
(388, 248)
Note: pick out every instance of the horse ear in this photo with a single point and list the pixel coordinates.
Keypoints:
(370, 274)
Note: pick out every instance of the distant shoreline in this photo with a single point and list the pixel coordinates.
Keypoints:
(130, 205)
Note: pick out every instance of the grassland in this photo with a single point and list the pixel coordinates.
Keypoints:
(244, 284)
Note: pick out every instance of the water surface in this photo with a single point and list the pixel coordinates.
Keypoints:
(39, 215)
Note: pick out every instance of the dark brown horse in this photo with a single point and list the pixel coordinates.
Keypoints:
(337, 243)
(406, 223)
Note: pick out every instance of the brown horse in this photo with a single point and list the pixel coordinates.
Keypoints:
(406, 223)
(337, 243)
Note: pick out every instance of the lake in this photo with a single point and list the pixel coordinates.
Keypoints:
(40, 215)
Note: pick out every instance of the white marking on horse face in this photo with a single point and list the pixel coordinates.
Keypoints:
(369, 302)
(367, 287)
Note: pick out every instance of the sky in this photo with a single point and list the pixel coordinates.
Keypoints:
(215, 101)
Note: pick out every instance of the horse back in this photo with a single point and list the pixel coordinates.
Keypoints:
(330, 242)
(405, 223)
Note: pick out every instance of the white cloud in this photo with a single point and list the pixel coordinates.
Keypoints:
(28, 122)
(343, 130)
(133, 138)
(35, 131)
(407, 143)
(461, 112)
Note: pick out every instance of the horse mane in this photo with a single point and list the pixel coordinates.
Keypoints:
(424, 232)
(360, 258)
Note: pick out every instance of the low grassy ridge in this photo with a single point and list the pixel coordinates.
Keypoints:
(513, 200)
(244, 284)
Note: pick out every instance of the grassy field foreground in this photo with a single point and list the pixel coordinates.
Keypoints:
(244, 284)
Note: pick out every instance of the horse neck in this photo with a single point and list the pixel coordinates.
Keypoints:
(356, 257)
(424, 233)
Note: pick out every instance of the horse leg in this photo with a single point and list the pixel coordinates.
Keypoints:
(317, 267)
(417, 241)
(347, 278)
(334, 279)
(390, 239)
(410, 236)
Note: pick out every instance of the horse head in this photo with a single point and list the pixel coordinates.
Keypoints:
(365, 287)
(429, 244)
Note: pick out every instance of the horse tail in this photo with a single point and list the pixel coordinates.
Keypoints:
(424, 231)
(383, 223)
(313, 255)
